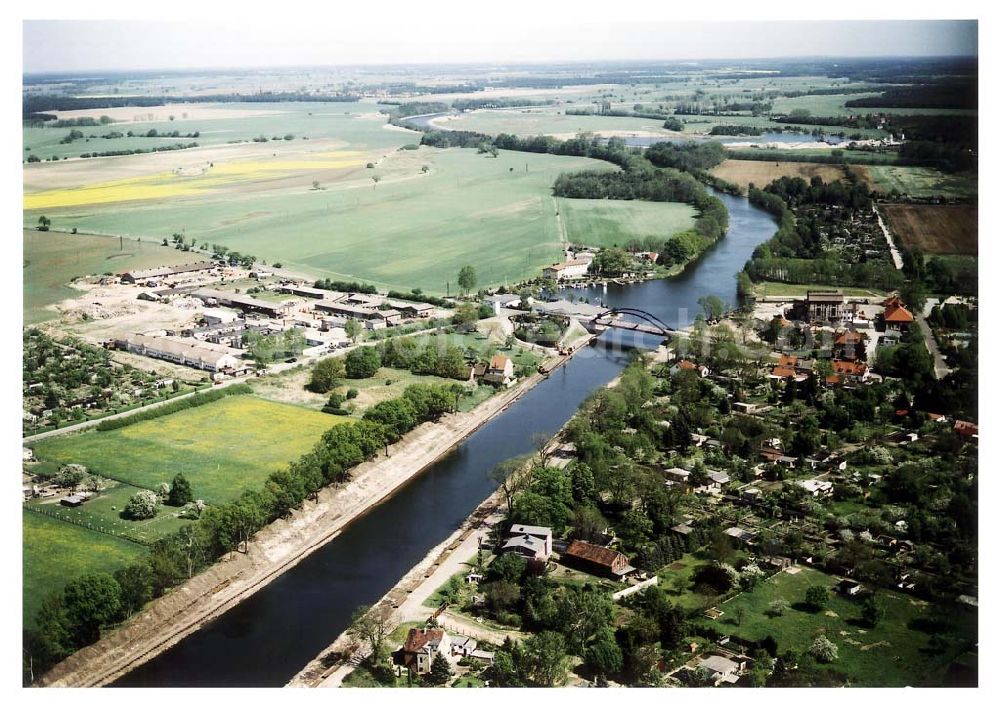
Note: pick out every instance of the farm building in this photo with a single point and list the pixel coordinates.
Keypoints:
(570, 269)
(371, 318)
(137, 276)
(597, 559)
(241, 302)
(199, 355)
(219, 316)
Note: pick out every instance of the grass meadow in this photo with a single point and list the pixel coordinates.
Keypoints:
(921, 181)
(896, 652)
(51, 260)
(55, 552)
(223, 448)
(606, 223)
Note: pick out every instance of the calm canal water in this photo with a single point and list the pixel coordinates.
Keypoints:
(268, 638)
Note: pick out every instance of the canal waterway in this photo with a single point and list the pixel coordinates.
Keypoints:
(269, 637)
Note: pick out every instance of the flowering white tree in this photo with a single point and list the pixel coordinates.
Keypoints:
(141, 506)
(823, 650)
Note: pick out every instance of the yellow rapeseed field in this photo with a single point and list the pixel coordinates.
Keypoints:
(169, 185)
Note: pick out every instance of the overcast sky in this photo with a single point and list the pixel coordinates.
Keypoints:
(58, 45)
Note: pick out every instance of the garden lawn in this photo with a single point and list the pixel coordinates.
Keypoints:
(104, 511)
(893, 654)
(56, 552)
(223, 448)
(607, 223)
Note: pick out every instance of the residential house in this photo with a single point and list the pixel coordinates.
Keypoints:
(597, 559)
(815, 487)
(846, 372)
(722, 670)
(529, 541)
(897, 318)
(967, 429)
(849, 345)
(503, 300)
(500, 370)
(676, 474)
(575, 268)
(422, 646)
(463, 646)
(684, 364)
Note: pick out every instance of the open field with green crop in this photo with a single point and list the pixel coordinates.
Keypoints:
(897, 652)
(920, 181)
(355, 123)
(414, 228)
(223, 448)
(551, 121)
(51, 260)
(770, 289)
(598, 222)
(56, 552)
(702, 124)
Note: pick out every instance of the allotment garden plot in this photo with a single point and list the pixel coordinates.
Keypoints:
(898, 651)
(223, 448)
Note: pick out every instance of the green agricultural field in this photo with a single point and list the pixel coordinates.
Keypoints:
(897, 652)
(414, 228)
(223, 448)
(698, 124)
(606, 223)
(51, 260)
(771, 289)
(552, 121)
(920, 181)
(55, 552)
(352, 122)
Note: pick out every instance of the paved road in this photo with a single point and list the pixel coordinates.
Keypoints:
(941, 368)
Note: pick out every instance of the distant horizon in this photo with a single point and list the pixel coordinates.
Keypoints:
(486, 63)
(92, 46)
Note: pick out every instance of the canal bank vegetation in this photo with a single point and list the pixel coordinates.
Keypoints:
(75, 618)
